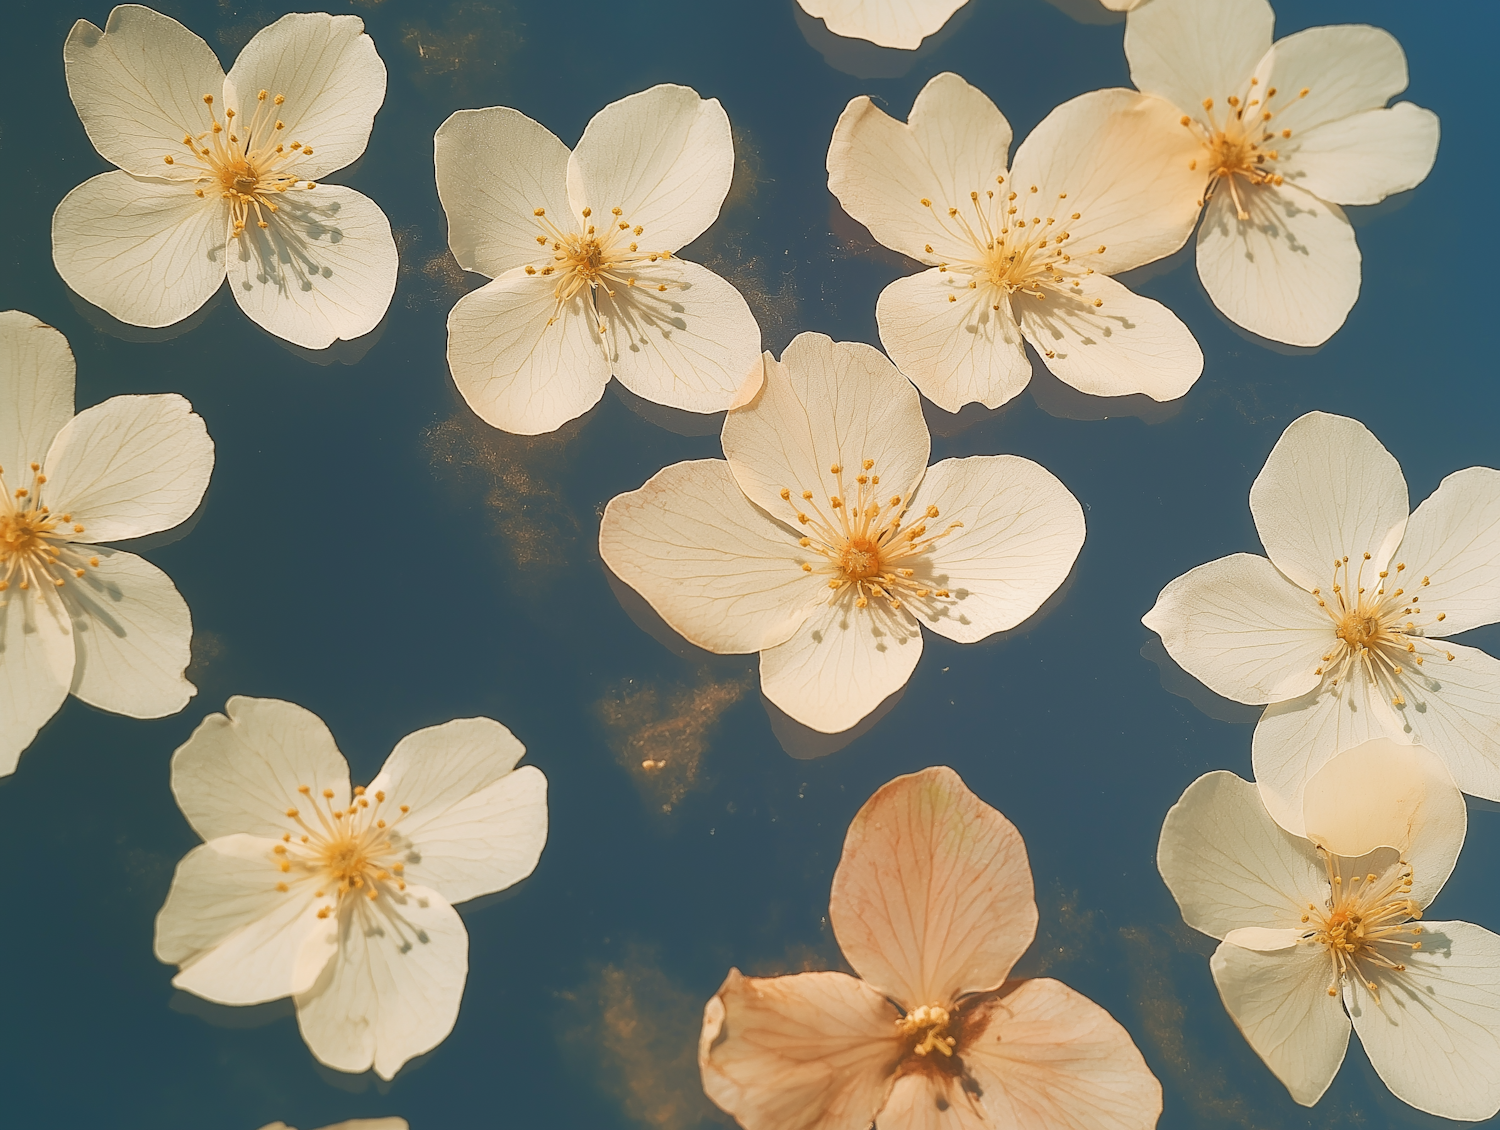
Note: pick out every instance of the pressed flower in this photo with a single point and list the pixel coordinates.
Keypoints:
(1342, 630)
(1322, 927)
(885, 23)
(825, 540)
(343, 899)
(1025, 253)
(1284, 133)
(75, 616)
(221, 176)
(581, 248)
(932, 905)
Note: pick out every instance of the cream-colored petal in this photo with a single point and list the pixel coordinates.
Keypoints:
(240, 771)
(936, 1101)
(323, 270)
(1229, 865)
(827, 403)
(36, 393)
(1047, 1057)
(331, 77)
(814, 1051)
(1434, 1035)
(1365, 157)
(956, 344)
(885, 23)
(953, 143)
(1189, 50)
(1343, 68)
(712, 564)
(1239, 626)
(1452, 543)
(664, 157)
(148, 252)
(517, 367)
(1329, 491)
(932, 897)
(1281, 1004)
(36, 669)
(1289, 271)
(495, 168)
(138, 86)
(1453, 708)
(392, 989)
(238, 939)
(1021, 533)
(131, 466)
(1105, 340)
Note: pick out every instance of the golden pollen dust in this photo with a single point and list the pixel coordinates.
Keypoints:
(1241, 143)
(36, 554)
(927, 1026)
(1364, 923)
(348, 852)
(598, 254)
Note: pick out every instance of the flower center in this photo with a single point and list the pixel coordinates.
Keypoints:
(35, 549)
(348, 852)
(1239, 145)
(1362, 922)
(606, 255)
(927, 1028)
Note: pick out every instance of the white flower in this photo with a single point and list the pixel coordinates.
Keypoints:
(105, 625)
(885, 23)
(1025, 254)
(1320, 932)
(581, 249)
(825, 540)
(1285, 134)
(220, 176)
(353, 1124)
(1341, 630)
(343, 900)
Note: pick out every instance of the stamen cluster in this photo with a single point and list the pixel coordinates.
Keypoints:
(586, 260)
(1239, 148)
(1363, 922)
(35, 549)
(351, 852)
(928, 1026)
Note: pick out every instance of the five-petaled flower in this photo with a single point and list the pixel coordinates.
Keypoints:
(221, 176)
(581, 248)
(825, 540)
(343, 899)
(885, 23)
(103, 624)
(932, 905)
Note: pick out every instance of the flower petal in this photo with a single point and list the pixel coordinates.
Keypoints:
(131, 466)
(241, 772)
(936, 1101)
(1189, 50)
(1325, 74)
(932, 897)
(324, 270)
(475, 826)
(826, 403)
(36, 669)
(148, 252)
(1289, 271)
(1453, 708)
(1434, 1036)
(495, 168)
(1105, 340)
(138, 86)
(238, 939)
(1021, 533)
(393, 987)
(885, 23)
(712, 564)
(955, 344)
(1280, 1002)
(331, 76)
(1046, 1056)
(814, 1051)
(954, 142)
(1240, 627)
(1328, 491)
(1453, 541)
(516, 367)
(1366, 157)
(36, 392)
(664, 157)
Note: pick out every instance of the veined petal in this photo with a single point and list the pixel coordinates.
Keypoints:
(495, 168)
(664, 157)
(938, 1101)
(36, 669)
(1365, 157)
(932, 897)
(1103, 339)
(1324, 74)
(323, 270)
(130, 466)
(710, 562)
(1453, 708)
(1434, 1035)
(138, 86)
(1189, 50)
(36, 392)
(1280, 1002)
(1021, 533)
(331, 76)
(149, 252)
(522, 361)
(392, 989)
(1229, 865)
(814, 1051)
(1329, 491)
(953, 143)
(957, 345)
(1289, 271)
(885, 23)
(1452, 542)
(240, 771)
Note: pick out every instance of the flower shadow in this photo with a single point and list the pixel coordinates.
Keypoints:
(1176, 681)
(105, 322)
